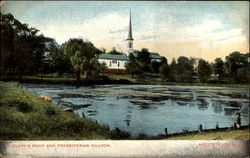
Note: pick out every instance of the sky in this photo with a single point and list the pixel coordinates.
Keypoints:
(206, 29)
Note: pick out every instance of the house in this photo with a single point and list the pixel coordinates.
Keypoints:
(155, 57)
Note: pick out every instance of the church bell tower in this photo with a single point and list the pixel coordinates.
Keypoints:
(130, 38)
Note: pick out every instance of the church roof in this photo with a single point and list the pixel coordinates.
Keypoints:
(151, 55)
(155, 56)
(113, 57)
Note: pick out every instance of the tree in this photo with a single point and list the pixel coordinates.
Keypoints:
(241, 74)
(194, 61)
(143, 56)
(83, 57)
(173, 70)
(133, 67)
(156, 67)
(101, 67)
(7, 43)
(11, 29)
(219, 68)
(236, 62)
(114, 52)
(164, 60)
(22, 50)
(103, 50)
(204, 70)
(143, 60)
(165, 69)
(184, 69)
(57, 60)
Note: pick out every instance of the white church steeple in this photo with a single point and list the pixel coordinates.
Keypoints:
(130, 38)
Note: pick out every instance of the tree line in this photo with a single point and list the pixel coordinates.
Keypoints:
(235, 68)
(26, 52)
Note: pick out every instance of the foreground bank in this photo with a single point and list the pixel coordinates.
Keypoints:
(25, 116)
(240, 134)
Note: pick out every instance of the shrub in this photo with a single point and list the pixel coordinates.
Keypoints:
(185, 130)
(50, 111)
(142, 136)
(118, 134)
(20, 105)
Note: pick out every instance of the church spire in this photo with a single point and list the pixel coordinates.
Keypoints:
(130, 28)
(130, 38)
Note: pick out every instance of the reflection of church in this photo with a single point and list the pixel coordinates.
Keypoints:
(116, 63)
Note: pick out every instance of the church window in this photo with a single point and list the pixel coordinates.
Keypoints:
(118, 64)
(130, 45)
(110, 63)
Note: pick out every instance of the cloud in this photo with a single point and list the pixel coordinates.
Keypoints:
(119, 31)
(205, 27)
(148, 37)
(96, 29)
(197, 34)
(208, 39)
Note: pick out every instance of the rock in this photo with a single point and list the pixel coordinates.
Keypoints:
(76, 107)
(46, 98)
(68, 109)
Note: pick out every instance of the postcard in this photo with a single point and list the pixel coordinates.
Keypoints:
(124, 79)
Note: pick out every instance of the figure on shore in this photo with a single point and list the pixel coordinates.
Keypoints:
(237, 123)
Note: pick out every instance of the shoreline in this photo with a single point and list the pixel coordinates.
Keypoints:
(108, 81)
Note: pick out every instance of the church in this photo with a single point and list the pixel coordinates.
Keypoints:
(117, 63)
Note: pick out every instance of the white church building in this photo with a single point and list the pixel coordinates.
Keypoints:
(117, 63)
(114, 61)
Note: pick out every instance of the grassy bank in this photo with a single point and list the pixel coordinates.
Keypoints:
(112, 79)
(230, 134)
(66, 80)
(24, 116)
(157, 80)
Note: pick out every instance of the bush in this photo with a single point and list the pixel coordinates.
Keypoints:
(142, 136)
(118, 134)
(185, 130)
(20, 105)
(50, 111)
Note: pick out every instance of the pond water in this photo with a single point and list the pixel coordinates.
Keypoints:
(149, 109)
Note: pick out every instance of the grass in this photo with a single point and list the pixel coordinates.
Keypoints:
(148, 79)
(218, 135)
(122, 77)
(24, 116)
(208, 85)
(157, 80)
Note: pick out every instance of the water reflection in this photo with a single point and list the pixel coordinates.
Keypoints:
(202, 104)
(217, 108)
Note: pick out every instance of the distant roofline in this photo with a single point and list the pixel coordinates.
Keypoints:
(113, 57)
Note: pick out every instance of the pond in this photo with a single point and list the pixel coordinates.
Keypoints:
(149, 109)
